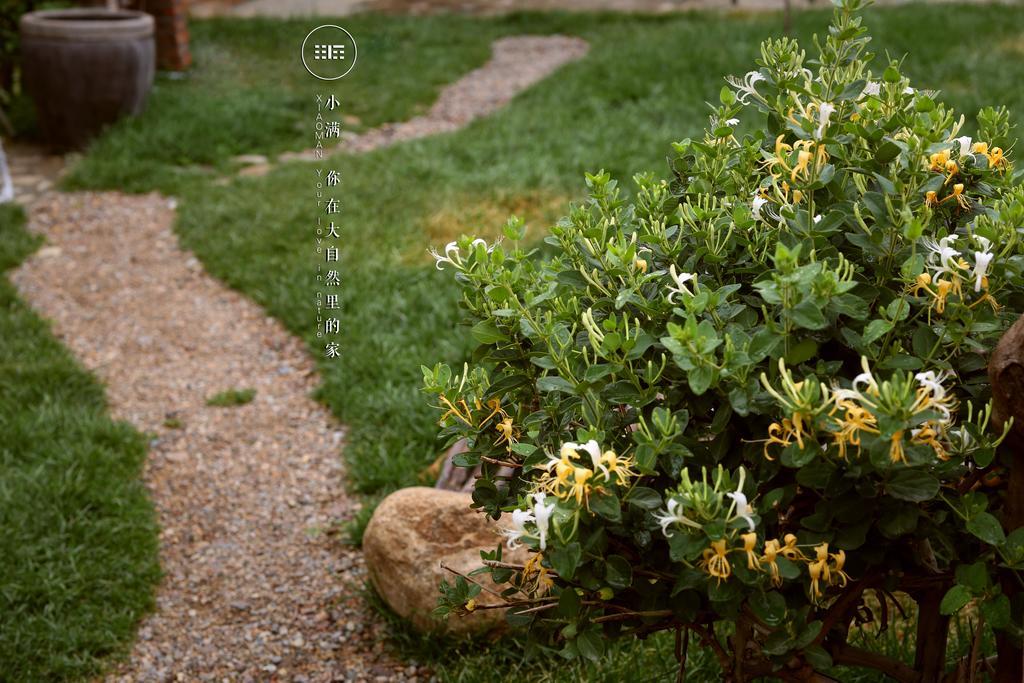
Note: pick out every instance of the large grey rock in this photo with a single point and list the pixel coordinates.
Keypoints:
(412, 532)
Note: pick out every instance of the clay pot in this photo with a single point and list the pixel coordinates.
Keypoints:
(86, 68)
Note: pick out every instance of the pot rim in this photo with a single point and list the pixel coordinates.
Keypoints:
(87, 24)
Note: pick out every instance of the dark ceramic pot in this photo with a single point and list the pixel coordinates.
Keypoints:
(86, 68)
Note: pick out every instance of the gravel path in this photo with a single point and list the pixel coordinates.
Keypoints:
(516, 63)
(256, 587)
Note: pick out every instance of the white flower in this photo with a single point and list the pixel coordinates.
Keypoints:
(451, 256)
(591, 447)
(942, 257)
(825, 112)
(518, 530)
(756, 204)
(672, 514)
(982, 259)
(817, 219)
(743, 508)
(932, 383)
(865, 378)
(746, 88)
(908, 90)
(542, 516)
(732, 122)
(965, 145)
(680, 280)
(872, 88)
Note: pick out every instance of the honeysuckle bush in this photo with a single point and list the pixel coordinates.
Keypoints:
(754, 392)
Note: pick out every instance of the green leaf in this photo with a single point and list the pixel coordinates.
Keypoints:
(787, 568)
(763, 342)
(596, 372)
(807, 635)
(818, 657)
(769, 607)
(644, 498)
(607, 505)
(564, 560)
(568, 603)
(954, 599)
(996, 611)
(808, 315)
(590, 644)
(876, 329)
(554, 383)
(684, 547)
(617, 572)
(700, 378)
(898, 520)
(803, 350)
(1014, 549)
(794, 456)
(915, 486)
(886, 152)
(987, 528)
(523, 448)
(973, 576)
(487, 332)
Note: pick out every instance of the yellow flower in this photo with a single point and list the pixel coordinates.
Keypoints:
(815, 569)
(981, 148)
(820, 570)
(770, 557)
(996, 158)
(951, 170)
(461, 411)
(986, 297)
(937, 161)
(896, 453)
(782, 151)
(943, 287)
(715, 560)
(921, 283)
(958, 195)
(471, 605)
(841, 577)
(580, 489)
(749, 543)
(856, 419)
(803, 158)
(789, 549)
(619, 467)
(931, 198)
(495, 406)
(640, 265)
(927, 435)
(536, 577)
(506, 433)
(821, 553)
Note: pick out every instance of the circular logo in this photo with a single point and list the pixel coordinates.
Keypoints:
(329, 52)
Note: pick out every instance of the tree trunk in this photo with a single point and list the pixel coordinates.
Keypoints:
(1006, 373)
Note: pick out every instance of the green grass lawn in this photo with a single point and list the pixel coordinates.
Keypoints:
(642, 86)
(78, 548)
